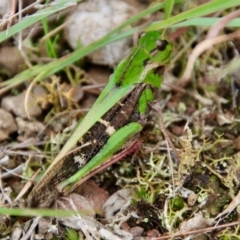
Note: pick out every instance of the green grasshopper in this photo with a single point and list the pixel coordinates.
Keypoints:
(115, 118)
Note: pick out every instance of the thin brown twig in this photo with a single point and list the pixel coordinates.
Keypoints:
(157, 108)
(27, 186)
(5, 196)
(204, 230)
(31, 229)
(13, 9)
(199, 49)
(219, 25)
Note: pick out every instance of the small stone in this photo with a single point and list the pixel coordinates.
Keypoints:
(153, 233)
(44, 225)
(74, 201)
(136, 231)
(17, 232)
(119, 201)
(192, 198)
(95, 195)
(11, 60)
(7, 124)
(15, 104)
(195, 223)
(29, 128)
(5, 8)
(91, 21)
(237, 143)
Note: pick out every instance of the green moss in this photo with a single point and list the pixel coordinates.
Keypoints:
(177, 203)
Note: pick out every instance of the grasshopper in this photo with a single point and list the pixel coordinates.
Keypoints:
(116, 117)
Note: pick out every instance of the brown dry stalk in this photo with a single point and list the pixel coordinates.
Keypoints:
(204, 230)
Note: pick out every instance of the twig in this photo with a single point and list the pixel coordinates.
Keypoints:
(157, 108)
(204, 230)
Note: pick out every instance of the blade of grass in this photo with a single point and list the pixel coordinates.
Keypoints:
(37, 212)
(53, 67)
(43, 71)
(62, 4)
(39, 15)
(204, 9)
(168, 8)
(48, 42)
(205, 22)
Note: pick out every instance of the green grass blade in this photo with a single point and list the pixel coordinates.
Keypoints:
(205, 22)
(37, 212)
(39, 15)
(204, 9)
(168, 8)
(71, 235)
(43, 71)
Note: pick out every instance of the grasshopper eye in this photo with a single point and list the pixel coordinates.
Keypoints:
(161, 44)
